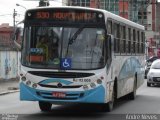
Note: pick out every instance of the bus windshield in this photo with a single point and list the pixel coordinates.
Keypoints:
(47, 46)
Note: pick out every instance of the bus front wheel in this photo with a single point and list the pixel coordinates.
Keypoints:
(110, 104)
(132, 95)
(45, 106)
(108, 107)
(148, 84)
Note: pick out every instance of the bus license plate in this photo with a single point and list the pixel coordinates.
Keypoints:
(58, 94)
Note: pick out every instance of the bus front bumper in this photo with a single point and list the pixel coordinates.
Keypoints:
(96, 95)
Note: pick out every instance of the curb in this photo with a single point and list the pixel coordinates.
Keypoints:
(7, 92)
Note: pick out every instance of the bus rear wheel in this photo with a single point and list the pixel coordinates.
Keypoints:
(45, 106)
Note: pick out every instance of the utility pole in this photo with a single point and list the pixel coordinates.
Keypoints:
(14, 17)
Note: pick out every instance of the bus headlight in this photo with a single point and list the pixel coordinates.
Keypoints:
(150, 78)
(28, 83)
(23, 78)
(99, 81)
(34, 85)
(93, 85)
(85, 87)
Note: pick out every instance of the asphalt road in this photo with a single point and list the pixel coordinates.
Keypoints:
(147, 103)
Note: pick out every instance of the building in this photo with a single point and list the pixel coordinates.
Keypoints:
(144, 12)
(158, 29)
(9, 60)
(129, 9)
(6, 34)
(85, 3)
(152, 30)
(111, 5)
(124, 8)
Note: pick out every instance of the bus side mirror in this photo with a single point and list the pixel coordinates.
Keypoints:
(18, 35)
(16, 38)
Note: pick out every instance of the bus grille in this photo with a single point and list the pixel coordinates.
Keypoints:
(69, 96)
(55, 86)
(60, 74)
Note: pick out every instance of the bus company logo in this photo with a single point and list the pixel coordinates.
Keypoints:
(59, 85)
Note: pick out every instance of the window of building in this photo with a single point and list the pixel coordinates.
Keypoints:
(83, 3)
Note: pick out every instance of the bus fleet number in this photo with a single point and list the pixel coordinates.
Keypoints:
(81, 80)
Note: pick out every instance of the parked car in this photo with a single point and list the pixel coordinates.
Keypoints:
(153, 76)
(148, 64)
(153, 58)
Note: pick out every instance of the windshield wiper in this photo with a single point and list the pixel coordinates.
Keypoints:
(75, 35)
(73, 38)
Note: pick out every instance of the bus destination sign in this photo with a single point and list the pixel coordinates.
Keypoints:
(70, 16)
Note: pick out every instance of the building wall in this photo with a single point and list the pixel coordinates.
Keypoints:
(9, 62)
(6, 33)
(149, 18)
(9, 58)
(154, 15)
(158, 28)
(110, 5)
(123, 8)
(151, 31)
(95, 3)
(158, 17)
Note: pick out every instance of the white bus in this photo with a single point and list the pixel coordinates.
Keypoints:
(79, 55)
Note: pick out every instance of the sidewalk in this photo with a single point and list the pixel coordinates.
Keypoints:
(9, 86)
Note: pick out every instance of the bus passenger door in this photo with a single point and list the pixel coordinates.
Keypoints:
(109, 51)
(109, 67)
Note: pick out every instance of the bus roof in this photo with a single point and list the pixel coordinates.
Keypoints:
(108, 15)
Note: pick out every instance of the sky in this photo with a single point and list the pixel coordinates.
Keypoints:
(7, 7)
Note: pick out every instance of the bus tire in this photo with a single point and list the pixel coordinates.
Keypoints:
(132, 95)
(148, 84)
(109, 106)
(45, 106)
(106, 107)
